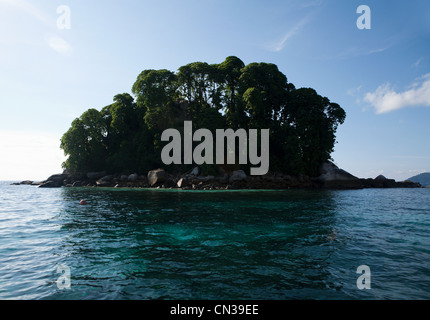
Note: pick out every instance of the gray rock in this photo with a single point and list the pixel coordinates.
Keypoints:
(330, 172)
(381, 177)
(195, 171)
(106, 179)
(133, 177)
(96, 175)
(157, 176)
(124, 177)
(103, 183)
(50, 184)
(334, 178)
(77, 184)
(57, 178)
(185, 182)
(238, 175)
(181, 183)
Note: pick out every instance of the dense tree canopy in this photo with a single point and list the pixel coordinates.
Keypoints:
(125, 136)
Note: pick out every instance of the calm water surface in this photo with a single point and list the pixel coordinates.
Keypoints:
(169, 244)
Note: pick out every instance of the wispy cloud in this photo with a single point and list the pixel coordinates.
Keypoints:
(354, 52)
(418, 62)
(59, 45)
(56, 43)
(367, 49)
(30, 9)
(377, 50)
(279, 45)
(385, 99)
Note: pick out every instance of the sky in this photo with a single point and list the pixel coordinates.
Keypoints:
(60, 58)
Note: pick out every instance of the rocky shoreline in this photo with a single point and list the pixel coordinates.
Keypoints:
(331, 177)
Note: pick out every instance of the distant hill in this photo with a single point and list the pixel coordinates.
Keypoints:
(423, 179)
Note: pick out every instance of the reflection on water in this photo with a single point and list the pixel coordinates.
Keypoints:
(169, 244)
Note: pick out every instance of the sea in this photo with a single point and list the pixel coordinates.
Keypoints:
(140, 244)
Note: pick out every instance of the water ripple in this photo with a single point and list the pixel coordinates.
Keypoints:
(167, 244)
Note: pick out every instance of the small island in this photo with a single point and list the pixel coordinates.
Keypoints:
(120, 145)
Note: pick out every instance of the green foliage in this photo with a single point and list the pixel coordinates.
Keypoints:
(84, 142)
(124, 137)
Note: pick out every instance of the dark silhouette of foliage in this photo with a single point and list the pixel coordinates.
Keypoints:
(125, 136)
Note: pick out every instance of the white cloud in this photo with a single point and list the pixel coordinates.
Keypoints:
(60, 45)
(378, 50)
(278, 46)
(418, 62)
(56, 43)
(356, 51)
(385, 99)
(29, 155)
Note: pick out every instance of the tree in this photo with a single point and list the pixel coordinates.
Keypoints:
(126, 135)
(315, 120)
(122, 128)
(156, 91)
(264, 90)
(228, 76)
(84, 143)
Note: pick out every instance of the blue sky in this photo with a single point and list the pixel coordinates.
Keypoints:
(381, 76)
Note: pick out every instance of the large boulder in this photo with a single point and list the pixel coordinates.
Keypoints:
(380, 182)
(331, 176)
(107, 178)
(133, 177)
(102, 183)
(49, 184)
(194, 172)
(96, 175)
(183, 182)
(238, 175)
(54, 181)
(77, 184)
(157, 176)
(106, 181)
(57, 178)
(381, 178)
(23, 183)
(330, 172)
(26, 182)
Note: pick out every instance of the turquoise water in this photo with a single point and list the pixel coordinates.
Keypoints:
(168, 244)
